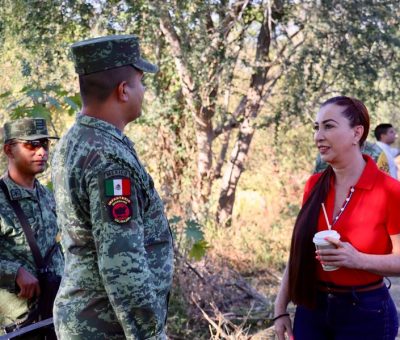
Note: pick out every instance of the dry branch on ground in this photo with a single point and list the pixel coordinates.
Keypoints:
(219, 297)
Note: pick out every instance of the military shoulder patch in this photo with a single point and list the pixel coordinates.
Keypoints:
(120, 209)
(117, 187)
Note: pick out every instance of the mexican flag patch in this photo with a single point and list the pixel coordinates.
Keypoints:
(118, 187)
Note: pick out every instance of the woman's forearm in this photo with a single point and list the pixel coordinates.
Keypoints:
(282, 299)
(385, 265)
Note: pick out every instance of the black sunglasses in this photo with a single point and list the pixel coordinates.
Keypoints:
(34, 144)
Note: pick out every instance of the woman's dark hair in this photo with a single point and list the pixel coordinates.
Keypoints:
(302, 263)
(355, 112)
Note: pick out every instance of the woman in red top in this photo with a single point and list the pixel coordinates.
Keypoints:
(362, 205)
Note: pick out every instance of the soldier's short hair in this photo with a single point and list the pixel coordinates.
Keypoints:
(98, 86)
(381, 129)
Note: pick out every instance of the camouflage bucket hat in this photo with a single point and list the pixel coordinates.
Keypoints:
(26, 129)
(105, 53)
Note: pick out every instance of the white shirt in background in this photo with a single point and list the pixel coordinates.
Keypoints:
(390, 153)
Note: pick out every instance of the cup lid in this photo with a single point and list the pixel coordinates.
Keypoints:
(320, 236)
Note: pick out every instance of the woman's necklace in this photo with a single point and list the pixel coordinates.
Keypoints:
(346, 202)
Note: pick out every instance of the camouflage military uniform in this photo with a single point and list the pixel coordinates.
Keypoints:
(370, 149)
(39, 207)
(119, 257)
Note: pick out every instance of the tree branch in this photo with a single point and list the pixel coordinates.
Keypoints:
(188, 86)
(233, 122)
(278, 59)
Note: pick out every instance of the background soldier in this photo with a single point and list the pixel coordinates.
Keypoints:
(385, 136)
(26, 145)
(119, 254)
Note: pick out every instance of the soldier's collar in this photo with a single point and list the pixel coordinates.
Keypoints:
(100, 125)
(16, 191)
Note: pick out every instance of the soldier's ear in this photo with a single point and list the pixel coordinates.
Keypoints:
(122, 91)
(7, 148)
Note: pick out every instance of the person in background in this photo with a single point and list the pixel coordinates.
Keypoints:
(370, 149)
(26, 145)
(386, 135)
(351, 302)
(117, 241)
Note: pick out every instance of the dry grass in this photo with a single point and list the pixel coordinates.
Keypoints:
(211, 299)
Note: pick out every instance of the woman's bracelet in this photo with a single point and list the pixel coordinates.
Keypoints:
(279, 316)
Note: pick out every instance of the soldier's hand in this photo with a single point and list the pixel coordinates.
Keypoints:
(28, 284)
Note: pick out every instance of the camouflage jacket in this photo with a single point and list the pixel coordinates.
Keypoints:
(39, 207)
(117, 241)
(370, 149)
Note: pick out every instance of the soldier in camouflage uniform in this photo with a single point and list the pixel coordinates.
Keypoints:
(370, 149)
(26, 143)
(119, 253)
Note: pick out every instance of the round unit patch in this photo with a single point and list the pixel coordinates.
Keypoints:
(120, 209)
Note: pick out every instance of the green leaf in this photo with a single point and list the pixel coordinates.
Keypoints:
(5, 94)
(55, 88)
(54, 102)
(198, 250)
(175, 219)
(193, 231)
(19, 112)
(26, 89)
(26, 68)
(49, 186)
(74, 102)
(35, 94)
(40, 111)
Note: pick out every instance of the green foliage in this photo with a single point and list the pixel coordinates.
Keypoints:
(189, 238)
(47, 103)
(349, 48)
(198, 250)
(193, 232)
(49, 185)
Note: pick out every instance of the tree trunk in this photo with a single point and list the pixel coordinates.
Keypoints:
(246, 130)
(236, 165)
(204, 134)
(222, 155)
(202, 115)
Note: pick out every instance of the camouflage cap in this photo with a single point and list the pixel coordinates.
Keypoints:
(105, 53)
(26, 129)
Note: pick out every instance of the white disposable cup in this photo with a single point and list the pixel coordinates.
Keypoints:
(321, 243)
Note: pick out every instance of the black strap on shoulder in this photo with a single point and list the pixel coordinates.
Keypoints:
(50, 252)
(25, 226)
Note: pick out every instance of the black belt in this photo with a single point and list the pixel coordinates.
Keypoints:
(333, 288)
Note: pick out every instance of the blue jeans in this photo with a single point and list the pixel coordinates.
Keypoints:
(348, 316)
